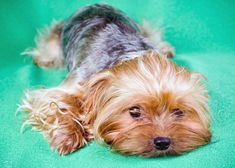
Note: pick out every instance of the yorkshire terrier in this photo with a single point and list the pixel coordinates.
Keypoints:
(121, 89)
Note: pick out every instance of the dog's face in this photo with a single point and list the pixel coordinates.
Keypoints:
(150, 106)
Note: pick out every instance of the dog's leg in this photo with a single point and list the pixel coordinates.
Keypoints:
(57, 113)
(155, 36)
(48, 52)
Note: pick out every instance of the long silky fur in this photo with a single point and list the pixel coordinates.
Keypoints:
(48, 53)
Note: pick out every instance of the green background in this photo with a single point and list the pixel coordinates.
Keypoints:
(203, 33)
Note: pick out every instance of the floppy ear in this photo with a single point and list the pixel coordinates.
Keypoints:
(95, 91)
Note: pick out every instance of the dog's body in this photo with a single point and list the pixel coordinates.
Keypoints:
(97, 37)
(117, 80)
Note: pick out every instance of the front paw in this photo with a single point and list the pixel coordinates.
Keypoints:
(66, 141)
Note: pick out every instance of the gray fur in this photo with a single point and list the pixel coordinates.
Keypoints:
(97, 37)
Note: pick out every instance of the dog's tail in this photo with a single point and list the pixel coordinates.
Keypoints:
(48, 51)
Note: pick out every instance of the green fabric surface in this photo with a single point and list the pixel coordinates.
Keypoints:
(203, 33)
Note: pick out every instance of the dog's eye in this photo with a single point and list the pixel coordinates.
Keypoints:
(135, 112)
(178, 113)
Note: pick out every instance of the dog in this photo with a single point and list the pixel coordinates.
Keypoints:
(122, 89)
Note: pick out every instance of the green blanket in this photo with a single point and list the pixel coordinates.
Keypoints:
(203, 33)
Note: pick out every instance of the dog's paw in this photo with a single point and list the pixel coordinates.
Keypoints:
(65, 140)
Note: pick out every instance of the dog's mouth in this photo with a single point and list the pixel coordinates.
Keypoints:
(145, 149)
(158, 153)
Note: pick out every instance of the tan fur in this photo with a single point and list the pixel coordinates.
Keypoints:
(151, 82)
(56, 113)
(48, 52)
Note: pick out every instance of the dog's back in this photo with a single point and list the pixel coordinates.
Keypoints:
(97, 37)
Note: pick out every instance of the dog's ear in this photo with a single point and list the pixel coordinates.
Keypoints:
(95, 90)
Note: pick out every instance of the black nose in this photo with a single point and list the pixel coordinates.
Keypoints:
(162, 143)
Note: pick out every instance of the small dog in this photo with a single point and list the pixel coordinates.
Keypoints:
(121, 89)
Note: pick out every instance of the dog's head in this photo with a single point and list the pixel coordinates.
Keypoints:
(148, 106)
